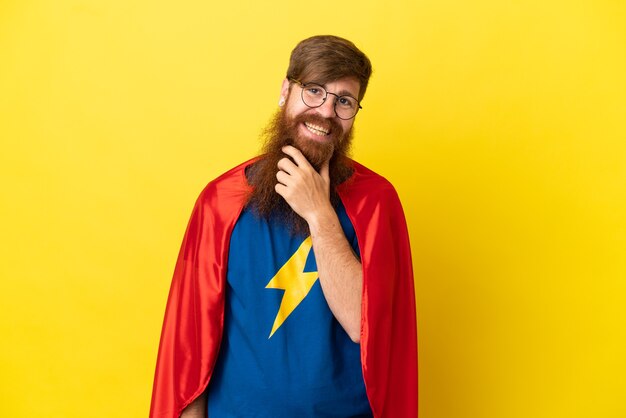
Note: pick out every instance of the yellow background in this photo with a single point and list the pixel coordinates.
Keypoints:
(502, 124)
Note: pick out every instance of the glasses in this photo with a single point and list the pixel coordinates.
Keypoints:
(314, 95)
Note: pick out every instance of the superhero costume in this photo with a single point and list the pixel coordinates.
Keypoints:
(283, 354)
(194, 316)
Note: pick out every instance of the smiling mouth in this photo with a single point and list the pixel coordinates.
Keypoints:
(316, 129)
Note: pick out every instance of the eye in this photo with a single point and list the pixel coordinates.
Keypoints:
(314, 91)
(346, 102)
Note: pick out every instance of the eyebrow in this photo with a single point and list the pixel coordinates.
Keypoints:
(344, 93)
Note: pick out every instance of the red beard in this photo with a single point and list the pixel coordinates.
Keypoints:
(317, 152)
(282, 131)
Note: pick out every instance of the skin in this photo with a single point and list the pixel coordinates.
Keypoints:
(308, 193)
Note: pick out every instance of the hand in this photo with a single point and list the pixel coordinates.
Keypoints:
(302, 187)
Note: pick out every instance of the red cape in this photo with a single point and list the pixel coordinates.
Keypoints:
(194, 316)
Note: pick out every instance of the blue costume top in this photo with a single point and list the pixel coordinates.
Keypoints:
(283, 354)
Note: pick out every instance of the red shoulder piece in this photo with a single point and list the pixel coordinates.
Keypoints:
(194, 315)
(388, 318)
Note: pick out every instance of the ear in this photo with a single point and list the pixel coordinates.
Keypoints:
(284, 90)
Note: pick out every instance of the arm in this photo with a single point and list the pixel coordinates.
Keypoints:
(339, 270)
(340, 273)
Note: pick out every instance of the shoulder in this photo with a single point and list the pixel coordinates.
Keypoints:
(233, 180)
(364, 182)
(228, 185)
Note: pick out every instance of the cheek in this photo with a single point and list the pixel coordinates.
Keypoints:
(293, 110)
(347, 124)
(294, 105)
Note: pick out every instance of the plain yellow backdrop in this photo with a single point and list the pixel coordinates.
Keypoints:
(501, 123)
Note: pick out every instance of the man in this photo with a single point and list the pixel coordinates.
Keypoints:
(293, 292)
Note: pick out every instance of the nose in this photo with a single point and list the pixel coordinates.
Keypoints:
(327, 109)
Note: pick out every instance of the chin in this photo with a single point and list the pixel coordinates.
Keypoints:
(315, 151)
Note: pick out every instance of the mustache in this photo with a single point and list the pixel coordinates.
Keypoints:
(335, 130)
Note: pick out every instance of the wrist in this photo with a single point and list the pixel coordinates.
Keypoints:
(324, 219)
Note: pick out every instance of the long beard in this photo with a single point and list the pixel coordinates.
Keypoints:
(281, 131)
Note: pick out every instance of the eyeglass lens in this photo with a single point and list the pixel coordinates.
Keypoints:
(314, 95)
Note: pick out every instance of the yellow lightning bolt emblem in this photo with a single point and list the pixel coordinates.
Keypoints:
(296, 283)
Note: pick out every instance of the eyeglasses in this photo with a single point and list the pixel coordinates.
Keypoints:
(314, 95)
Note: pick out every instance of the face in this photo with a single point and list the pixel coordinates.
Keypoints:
(316, 131)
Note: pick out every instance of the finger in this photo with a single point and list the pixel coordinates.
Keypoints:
(297, 156)
(324, 171)
(283, 178)
(286, 165)
(281, 189)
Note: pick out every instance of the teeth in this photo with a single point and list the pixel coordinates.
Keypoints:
(317, 130)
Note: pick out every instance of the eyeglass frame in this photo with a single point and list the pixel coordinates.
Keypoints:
(303, 86)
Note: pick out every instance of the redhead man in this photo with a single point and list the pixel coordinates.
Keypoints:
(293, 291)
